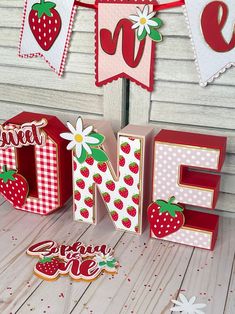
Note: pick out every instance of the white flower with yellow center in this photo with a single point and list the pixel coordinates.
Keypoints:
(143, 20)
(79, 138)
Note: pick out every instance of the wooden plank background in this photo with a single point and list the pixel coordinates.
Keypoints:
(179, 103)
(29, 84)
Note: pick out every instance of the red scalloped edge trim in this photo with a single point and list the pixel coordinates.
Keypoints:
(149, 87)
(39, 54)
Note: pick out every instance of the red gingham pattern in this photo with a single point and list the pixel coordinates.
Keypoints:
(47, 178)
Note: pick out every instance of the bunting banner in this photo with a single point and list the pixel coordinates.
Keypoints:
(126, 33)
(211, 25)
(46, 31)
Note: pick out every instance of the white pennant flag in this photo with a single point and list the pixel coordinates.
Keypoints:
(46, 31)
(211, 25)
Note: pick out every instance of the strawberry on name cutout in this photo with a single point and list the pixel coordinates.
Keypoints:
(14, 187)
(165, 217)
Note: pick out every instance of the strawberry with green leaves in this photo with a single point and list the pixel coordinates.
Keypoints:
(48, 267)
(13, 187)
(45, 23)
(165, 217)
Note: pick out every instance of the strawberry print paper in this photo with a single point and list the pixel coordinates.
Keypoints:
(126, 33)
(78, 261)
(122, 193)
(46, 31)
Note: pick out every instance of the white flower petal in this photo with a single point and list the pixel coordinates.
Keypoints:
(176, 302)
(147, 28)
(135, 25)
(91, 140)
(67, 136)
(152, 14)
(134, 18)
(71, 145)
(199, 312)
(87, 130)
(71, 128)
(199, 305)
(192, 300)
(140, 30)
(146, 10)
(79, 125)
(152, 23)
(87, 148)
(78, 150)
(139, 12)
(183, 298)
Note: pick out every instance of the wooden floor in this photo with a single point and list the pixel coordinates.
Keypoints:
(151, 272)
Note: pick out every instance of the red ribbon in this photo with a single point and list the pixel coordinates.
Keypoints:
(157, 7)
(165, 6)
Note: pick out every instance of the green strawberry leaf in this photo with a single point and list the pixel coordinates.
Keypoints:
(158, 21)
(83, 156)
(99, 155)
(111, 264)
(155, 35)
(45, 260)
(99, 137)
(43, 8)
(142, 36)
(7, 175)
(102, 264)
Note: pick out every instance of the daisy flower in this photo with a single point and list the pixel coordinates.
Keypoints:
(84, 141)
(187, 307)
(146, 24)
(105, 260)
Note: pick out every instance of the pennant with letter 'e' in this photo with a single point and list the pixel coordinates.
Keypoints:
(126, 33)
(211, 25)
(46, 31)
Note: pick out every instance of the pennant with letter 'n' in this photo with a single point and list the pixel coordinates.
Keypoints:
(211, 25)
(46, 30)
(126, 33)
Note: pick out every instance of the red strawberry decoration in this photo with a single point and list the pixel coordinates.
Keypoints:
(126, 222)
(110, 185)
(80, 183)
(134, 167)
(106, 197)
(125, 147)
(91, 189)
(131, 211)
(135, 199)
(84, 213)
(85, 172)
(123, 192)
(137, 154)
(118, 204)
(77, 195)
(114, 215)
(45, 23)
(102, 166)
(122, 161)
(129, 180)
(137, 228)
(13, 187)
(97, 178)
(75, 166)
(88, 201)
(90, 160)
(165, 217)
(49, 267)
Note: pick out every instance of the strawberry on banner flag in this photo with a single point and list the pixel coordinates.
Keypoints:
(46, 31)
(211, 25)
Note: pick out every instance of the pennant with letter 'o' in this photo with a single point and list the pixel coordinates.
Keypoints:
(211, 26)
(46, 31)
(126, 33)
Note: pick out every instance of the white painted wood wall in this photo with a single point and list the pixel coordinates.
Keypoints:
(178, 102)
